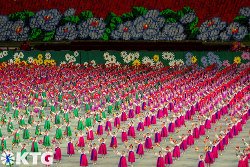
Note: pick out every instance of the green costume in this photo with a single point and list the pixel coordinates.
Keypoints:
(57, 119)
(38, 130)
(80, 125)
(10, 127)
(76, 112)
(22, 122)
(68, 131)
(88, 122)
(59, 134)
(47, 125)
(46, 141)
(3, 145)
(66, 117)
(34, 146)
(26, 134)
(30, 120)
(16, 138)
(15, 114)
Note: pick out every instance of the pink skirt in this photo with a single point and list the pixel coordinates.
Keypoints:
(71, 149)
(183, 145)
(208, 124)
(117, 122)
(176, 152)
(131, 131)
(215, 151)
(123, 162)
(140, 126)
(159, 114)
(157, 137)
(148, 143)
(138, 109)
(81, 142)
(140, 149)
(196, 134)
(153, 120)
(165, 112)
(108, 126)
(102, 149)
(99, 130)
(160, 162)
(124, 136)
(131, 156)
(164, 132)
(190, 140)
(168, 158)
(58, 154)
(171, 127)
(90, 135)
(113, 142)
(131, 113)
(83, 160)
(147, 121)
(93, 155)
(202, 130)
(124, 117)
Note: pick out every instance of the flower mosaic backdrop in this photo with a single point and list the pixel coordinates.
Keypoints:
(116, 58)
(139, 24)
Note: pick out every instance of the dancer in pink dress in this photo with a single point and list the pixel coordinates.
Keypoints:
(102, 148)
(70, 148)
(131, 155)
(57, 154)
(83, 158)
(93, 152)
(201, 162)
(140, 148)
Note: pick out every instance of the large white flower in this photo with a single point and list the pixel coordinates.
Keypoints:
(180, 62)
(112, 59)
(131, 57)
(10, 61)
(48, 56)
(145, 60)
(136, 55)
(106, 56)
(5, 53)
(30, 59)
(126, 59)
(93, 62)
(1, 55)
(16, 56)
(21, 55)
(76, 53)
(168, 56)
(62, 62)
(123, 54)
(72, 59)
(67, 57)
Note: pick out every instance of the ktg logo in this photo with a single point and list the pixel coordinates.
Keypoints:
(9, 159)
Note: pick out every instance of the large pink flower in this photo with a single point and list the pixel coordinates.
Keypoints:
(245, 56)
(226, 63)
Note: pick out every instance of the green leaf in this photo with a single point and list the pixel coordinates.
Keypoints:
(168, 13)
(105, 37)
(127, 16)
(112, 26)
(24, 16)
(193, 23)
(243, 20)
(109, 17)
(187, 9)
(48, 36)
(85, 15)
(194, 33)
(35, 34)
(180, 14)
(107, 30)
(71, 19)
(139, 11)
(170, 20)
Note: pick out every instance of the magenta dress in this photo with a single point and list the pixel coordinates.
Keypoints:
(171, 127)
(70, 149)
(176, 152)
(108, 126)
(131, 131)
(81, 142)
(165, 112)
(113, 142)
(164, 131)
(140, 149)
(58, 154)
(147, 121)
(93, 154)
(124, 136)
(131, 157)
(183, 145)
(159, 114)
(196, 134)
(190, 140)
(124, 116)
(138, 110)
(160, 162)
(201, 164)
(140, 126)
(90, 135)
(153, 119)
(123, 162)
(209, 158)
(168, 158)
(83, 160)
(131, 113)
(100, 130)
(208, 124)
(215, 152)
(202, 130)
(148, 143)
(157, 137)
(102, 149)
(117, 122)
